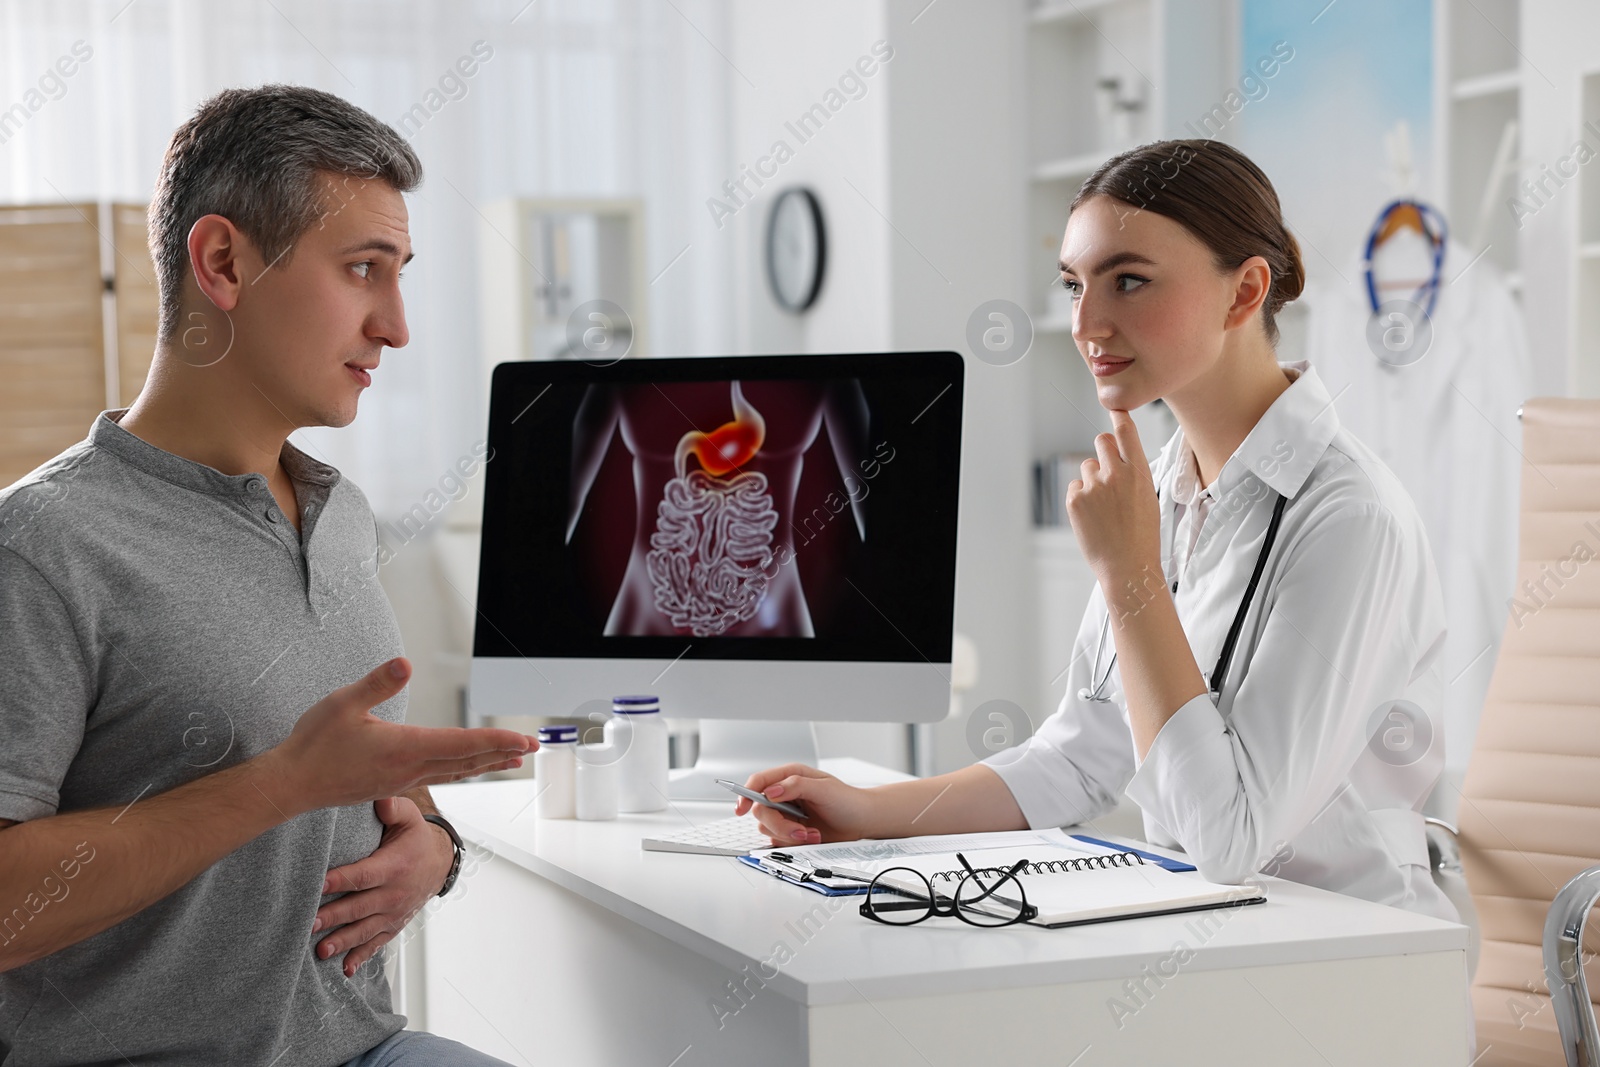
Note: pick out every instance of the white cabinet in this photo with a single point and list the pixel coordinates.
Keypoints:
(1065, 584)
(1478, 102)
(1548, 214)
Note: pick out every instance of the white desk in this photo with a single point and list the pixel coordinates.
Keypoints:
(573, 946)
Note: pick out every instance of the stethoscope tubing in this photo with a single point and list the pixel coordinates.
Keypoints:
(1220, 672)
(1435, 228)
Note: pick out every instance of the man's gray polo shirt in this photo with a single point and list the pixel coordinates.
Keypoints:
(159, 621)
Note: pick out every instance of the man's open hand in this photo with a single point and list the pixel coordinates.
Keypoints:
(386, 890)
(339, 753)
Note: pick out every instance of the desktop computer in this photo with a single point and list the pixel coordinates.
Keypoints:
(759, 541)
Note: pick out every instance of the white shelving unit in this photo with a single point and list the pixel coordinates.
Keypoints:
(1102, 76)
(543, 259)
(1478, 90)
(1558, 53)
(1081, 57)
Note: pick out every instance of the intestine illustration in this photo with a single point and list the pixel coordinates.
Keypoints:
(712, 544)
(702, 525)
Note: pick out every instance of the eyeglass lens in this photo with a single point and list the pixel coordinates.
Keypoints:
(901, 896)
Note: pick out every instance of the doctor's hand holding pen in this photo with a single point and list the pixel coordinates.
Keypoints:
(834, 811)
(971, 800)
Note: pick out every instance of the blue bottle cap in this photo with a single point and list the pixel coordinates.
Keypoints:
(635, 705)
(557, 734)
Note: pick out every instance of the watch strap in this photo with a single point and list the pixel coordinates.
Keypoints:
(455, 840)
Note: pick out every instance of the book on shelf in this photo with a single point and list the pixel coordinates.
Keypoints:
(1051, 476)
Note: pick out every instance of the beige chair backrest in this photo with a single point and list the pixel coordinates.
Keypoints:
(1529, 815)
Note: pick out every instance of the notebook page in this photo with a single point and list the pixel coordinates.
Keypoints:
(876, 855)
(1089, 893)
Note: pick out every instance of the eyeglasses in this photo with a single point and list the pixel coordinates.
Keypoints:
(984, 896)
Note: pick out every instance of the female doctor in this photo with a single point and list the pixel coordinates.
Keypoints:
(1257, 668)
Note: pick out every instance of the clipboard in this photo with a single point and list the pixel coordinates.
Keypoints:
(827, 887)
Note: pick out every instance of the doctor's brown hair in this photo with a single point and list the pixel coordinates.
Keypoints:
(1216, 193)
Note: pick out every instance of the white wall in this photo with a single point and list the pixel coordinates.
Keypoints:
(957, 196)
(920, 184)
(791, 57)
(784, 59)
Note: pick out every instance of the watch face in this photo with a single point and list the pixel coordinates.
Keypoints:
(795, 249)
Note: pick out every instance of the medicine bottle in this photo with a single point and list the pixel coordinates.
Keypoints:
(596, 782)
(638, 733)
(554, 773)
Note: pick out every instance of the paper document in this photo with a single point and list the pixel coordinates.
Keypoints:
(1069, 880)
(859, 853)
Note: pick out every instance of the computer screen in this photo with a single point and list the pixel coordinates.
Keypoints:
(766, 537)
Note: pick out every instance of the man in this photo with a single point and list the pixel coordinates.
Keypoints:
(196, 869)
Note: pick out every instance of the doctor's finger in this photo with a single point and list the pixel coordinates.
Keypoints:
(781, 829)
(1105, 446)
(1126, 432)
(761, 779)
(800, 787)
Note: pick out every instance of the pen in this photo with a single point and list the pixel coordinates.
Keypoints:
(785, 863)
(776, 866)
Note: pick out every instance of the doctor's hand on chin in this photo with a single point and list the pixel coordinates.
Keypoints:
(1114, 513)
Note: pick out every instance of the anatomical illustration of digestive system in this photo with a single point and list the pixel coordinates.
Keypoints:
(696, 519)
(712, 546)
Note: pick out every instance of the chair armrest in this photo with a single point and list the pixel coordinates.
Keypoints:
(1563, 967)
(1444, 859)
(1444, 846)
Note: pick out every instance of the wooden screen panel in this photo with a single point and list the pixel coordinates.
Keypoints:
(137, 301)
(52, 363)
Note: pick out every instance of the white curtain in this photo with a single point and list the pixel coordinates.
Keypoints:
(589, 98)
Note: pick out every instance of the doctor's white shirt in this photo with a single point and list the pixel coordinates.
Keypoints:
(1313, 761)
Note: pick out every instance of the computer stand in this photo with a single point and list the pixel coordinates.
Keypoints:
(735, 749)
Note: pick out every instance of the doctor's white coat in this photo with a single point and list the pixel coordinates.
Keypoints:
(1315, 759)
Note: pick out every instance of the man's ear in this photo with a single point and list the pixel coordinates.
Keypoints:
(1254, 283)
(215, 254)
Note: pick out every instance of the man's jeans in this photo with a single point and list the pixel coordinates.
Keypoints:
(413, 1048)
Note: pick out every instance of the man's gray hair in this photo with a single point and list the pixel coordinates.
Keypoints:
(254, 156)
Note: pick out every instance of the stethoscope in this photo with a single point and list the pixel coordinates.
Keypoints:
(1220, 672)
(1434, 229)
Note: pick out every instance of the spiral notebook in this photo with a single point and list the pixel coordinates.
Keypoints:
(1071, 879)
(1075, 890)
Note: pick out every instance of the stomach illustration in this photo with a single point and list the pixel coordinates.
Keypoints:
(713, 540)
(693, 510)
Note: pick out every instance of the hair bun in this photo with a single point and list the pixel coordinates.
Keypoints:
(1288, 284)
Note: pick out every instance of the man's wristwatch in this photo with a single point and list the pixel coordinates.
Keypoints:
(455, 839)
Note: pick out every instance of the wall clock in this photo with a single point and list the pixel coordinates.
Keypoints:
(797, 249)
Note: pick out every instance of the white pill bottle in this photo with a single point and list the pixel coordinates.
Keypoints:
(554, 773)
(596, 782)
(638, 733)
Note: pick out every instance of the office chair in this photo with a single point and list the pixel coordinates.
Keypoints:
(1529, 820)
